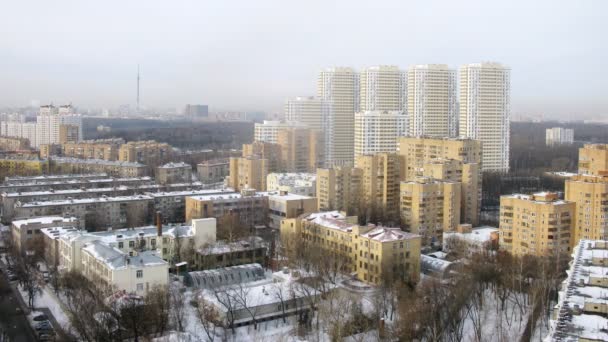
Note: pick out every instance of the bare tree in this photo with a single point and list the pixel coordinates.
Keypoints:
(209, 317)
(178, 307)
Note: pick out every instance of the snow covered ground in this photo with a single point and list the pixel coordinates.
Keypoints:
(48, 299)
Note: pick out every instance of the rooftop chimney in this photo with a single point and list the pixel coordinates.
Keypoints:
(159, 224)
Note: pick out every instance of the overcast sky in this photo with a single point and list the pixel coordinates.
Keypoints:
(251, 54)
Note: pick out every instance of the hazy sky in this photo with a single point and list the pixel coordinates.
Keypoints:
(247, 55)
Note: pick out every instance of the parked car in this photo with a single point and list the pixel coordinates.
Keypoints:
(41, 317)
(45, 337)
(44, 325)
(13, 277)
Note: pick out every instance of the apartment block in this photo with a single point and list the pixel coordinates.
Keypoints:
(250, 208)
(113, 168)
(338, 87)
(69, 181)
(339, 188)
(24, 233)
(559, 136)
(17, 166)
(374, 253)
(213, 171)
(431, 92)
(301, 149)
(248, 173)
(590, 195)
(468, 175)
(69, 133)
(14, 144)
(430, 207)
(149, 153)
(269, 130)
(593, 159)
(380, 184)
(174, 173)
(106, 149)
(265, 150)
(539, 224)
(307, 111)
(419, 150)
(485, 111)
(383, 88)
(378, 131)
(94, 213)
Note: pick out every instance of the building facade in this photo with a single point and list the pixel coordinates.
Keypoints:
(485, 111)
(593, 159)
(339, 188)
(590, 195)
(383, 88)
(339, 88)
(559, 136)
(538, 224)
(430, 207)
(301, 149)
(213, 171)
(174, 173)
(248, 173)
(432, 101)
(378, 131)
(308, 111)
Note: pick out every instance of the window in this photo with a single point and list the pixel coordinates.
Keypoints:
(140, 274)
(140, 287)
(121, 245)
(131, 243)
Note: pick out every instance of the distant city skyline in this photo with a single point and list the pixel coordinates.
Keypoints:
(269, 51)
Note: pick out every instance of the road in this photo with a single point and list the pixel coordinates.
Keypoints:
(12, 320)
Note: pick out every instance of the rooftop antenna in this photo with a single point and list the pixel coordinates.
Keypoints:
(137, 88)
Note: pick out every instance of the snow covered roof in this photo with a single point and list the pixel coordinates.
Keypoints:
(85, 201)
(539, 198)
(69, 160)
(477, 235)
(44, 220)
(175, 165)
(385, 234)
(204, 192)
(62, 192)
(222, 247)
(575, 319)
(275, 195)
(117, 260)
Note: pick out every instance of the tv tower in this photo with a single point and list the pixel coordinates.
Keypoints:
(137, 88)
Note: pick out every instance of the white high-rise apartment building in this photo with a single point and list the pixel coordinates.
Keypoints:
(485, 110)
(305, 110)
(431, 102)
(383, 88)
(378, 131)
(269, 130)
(338, 87)
(559, 136)
(47, 126)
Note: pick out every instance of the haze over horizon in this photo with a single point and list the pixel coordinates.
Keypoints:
(87, 54)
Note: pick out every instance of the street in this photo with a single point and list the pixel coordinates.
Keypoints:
(12, 320)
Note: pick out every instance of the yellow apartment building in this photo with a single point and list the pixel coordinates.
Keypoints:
(430, 207)
(301, 149)
(248, 173)
(339, 188)
(539, 224)
(590, 194)
(593, 159)
(380, 182)
(265, 150)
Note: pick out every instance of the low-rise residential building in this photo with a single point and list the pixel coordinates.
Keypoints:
(28, 180)
(539, 224)
(22, 166)
(112, 270)
(224, 254)
(213, 171)
(149, 153)
(374, 253)
(112, 168)
(430, 207)
(471, 240)
(14, 144)
(105, 149)
(42, 183)
(95, 213)
(174, 173)
(581, 310)
(251, 208)
(26, 233)
(282, 205)
(294, 183)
